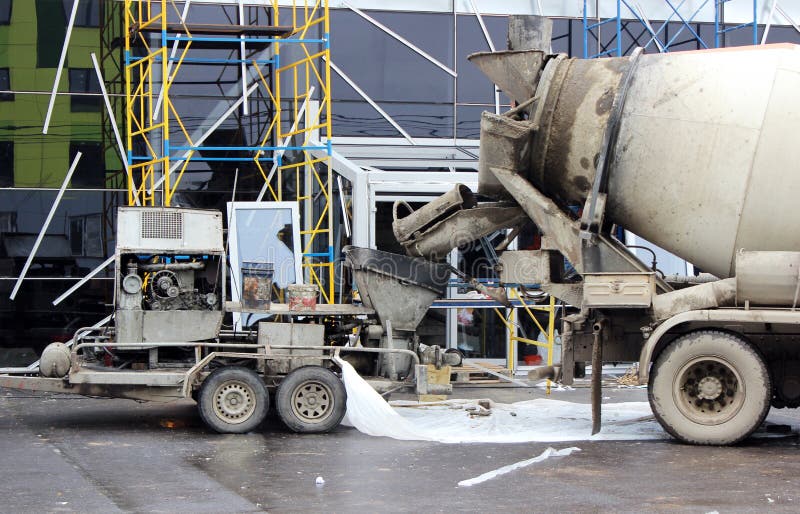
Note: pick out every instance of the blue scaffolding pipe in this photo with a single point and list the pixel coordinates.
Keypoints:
(329, 254)
(720, 29)
(198, 60)
(587, 29)
(198, 158)
(208, 39)
(593, 29)
(247, 148)
(686, 23)
(224, 159)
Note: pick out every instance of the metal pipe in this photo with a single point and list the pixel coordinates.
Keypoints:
(597, 375)
(176, 266)
(370, 101)
(412, 354)
(60, 68)
(400, 38)
(123, 155)
(85, 279)
(47, 221)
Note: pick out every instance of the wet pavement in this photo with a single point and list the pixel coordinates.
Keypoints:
(67, 454)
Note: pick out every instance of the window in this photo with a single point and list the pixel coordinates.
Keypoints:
(84, 80)
(51, 27)
(5, 85)
(263, 232)
(5, 12)
(90, 172)
(88, 14)
(8, 221)
(6, 163)
(76, 233)
(85, 237)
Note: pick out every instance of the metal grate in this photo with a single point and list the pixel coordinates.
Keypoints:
(162, 225)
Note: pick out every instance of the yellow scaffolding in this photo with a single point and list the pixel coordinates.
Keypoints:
(294, 80)
(511, 326)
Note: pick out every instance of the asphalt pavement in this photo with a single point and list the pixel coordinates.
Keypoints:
(73, 454)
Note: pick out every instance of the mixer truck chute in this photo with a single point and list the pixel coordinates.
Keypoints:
(692, 151)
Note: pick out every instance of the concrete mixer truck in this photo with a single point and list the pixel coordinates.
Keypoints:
(696, 152)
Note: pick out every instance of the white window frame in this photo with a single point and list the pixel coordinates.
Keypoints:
(234, 209)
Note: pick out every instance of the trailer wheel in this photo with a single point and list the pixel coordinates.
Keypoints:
(233, 400)
(710, 387)
(311, 399)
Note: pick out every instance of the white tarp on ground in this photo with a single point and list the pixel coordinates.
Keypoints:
(541, 420)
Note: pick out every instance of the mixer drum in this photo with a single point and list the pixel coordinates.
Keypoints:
(702, 158)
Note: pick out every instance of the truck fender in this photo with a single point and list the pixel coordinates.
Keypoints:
(652, 343)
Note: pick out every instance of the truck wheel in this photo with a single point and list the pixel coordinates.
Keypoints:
(311, 399)
(233, 400)
(710, 387)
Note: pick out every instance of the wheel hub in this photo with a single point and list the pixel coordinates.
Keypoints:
(312, 401)
(708, 390)
(234, 402)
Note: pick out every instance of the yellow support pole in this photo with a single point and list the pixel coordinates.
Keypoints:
(128, 114)
(166, 188)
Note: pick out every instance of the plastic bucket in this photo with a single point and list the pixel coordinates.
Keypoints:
(256, 284)
(303, 297)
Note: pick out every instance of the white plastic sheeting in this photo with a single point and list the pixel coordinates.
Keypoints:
(550, 452)
(540, 420)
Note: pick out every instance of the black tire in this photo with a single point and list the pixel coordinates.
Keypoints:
(233, 400)
(710, 388)
(311, 400)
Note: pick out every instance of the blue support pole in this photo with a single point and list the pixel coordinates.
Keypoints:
(619, 28)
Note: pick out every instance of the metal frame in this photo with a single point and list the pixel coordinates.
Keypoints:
(47, 221)
(157, 162)
(630, 13)
(62, 59)
(776, 7)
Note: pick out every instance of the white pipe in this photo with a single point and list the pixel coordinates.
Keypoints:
(768, 24)
(83, 280)
(45, 226)
(491, 47)
(113, 120)
(60, 66)
(172, 54)
(788, 18)
(400, 38)
(344, 208)
(359, 179)
(284, 143)
(641, 14)
(243, 66)
(370, 101)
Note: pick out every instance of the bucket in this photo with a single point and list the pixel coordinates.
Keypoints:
(302, 297)
(256, 284)
(532, 360)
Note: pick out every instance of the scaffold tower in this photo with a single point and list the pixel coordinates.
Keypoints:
(282, 57)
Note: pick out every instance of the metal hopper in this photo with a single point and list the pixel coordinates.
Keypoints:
(399, 288)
